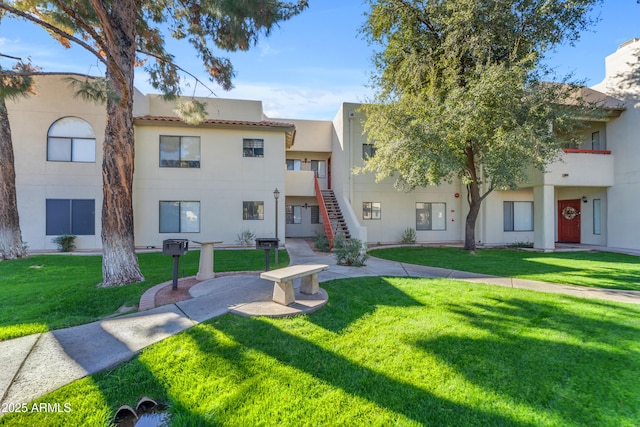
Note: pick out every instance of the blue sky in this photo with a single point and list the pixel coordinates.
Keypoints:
(317, 60)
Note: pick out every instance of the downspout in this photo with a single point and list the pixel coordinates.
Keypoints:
(351, 116)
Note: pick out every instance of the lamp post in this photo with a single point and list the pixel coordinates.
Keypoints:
(276, 195)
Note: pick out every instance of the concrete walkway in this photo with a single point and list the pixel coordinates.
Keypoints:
(38, 364)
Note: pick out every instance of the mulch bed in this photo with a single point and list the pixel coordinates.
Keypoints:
(166, 295)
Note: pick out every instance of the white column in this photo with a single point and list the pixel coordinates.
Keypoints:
(544, 224)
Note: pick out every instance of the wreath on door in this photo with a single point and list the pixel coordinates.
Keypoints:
(569, 212)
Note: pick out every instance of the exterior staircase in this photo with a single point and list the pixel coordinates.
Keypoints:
(332, 218)
(338, 224)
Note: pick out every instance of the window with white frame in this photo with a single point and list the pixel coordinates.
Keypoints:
(597, 214)
(431, 216)
(294, 164)
(70, 216)
(293, 214)
(253, 147)
(179, 151)
(371, 210)
(319, 167)
(518, 216)
(179, 217)
(71, 139)
(252, 211)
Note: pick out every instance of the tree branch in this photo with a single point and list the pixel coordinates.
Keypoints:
(107, 28)
(162, 59)
(103, 17)
(421, 18)
(84, 24)
(52, 28)
(10, 57)
(42, 73)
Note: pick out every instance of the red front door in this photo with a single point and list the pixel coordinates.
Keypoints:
(569, 221)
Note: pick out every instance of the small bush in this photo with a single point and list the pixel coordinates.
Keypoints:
(349, 251)
(520, 245)
(245, 238)
(408, 236)
(65, 242)
(321, 242)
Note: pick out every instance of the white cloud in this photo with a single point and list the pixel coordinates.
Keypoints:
(296, 102)
(279, 100)
(266, 50)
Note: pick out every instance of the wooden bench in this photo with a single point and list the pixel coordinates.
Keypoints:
(283, 281)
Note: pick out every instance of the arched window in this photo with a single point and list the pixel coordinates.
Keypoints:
(71, 139)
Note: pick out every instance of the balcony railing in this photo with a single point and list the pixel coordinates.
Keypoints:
(578, 150)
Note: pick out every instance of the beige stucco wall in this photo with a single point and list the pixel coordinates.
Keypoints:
(38, 179)
(621, 81)
(398, 208)
(492, 222)
(311, 135)
(577, 169)
(216, 108)
(305, 228)
(224, 180)
(300, 183)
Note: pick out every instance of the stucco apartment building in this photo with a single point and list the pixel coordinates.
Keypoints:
(214, 180)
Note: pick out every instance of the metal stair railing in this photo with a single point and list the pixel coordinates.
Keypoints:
(323, 211)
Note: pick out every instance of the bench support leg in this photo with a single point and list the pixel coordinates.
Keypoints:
(283, 293)
(309, 285)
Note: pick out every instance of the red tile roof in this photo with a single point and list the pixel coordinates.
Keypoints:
(262, 123)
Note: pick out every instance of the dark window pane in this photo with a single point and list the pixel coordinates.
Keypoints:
(507, 208)
(253, 210)
(366, 210)
(59, 149)
(595, 141)
(58, 217)
(170, 151)
(83, 216)
(315, 214)
(423, 216)
(253, 147)
(169, 217)
(368, 150)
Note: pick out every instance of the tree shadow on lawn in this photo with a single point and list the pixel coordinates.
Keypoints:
(353, 299)
(354, 379)
(583, 369)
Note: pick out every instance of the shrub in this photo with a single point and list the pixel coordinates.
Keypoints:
(245, 238)
(349, 251)
(520, 245)
(408, 236)
(65, 242)
(321, 242)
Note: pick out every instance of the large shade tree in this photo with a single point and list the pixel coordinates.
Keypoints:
(460, 92)
(12, 85)
(123, 34)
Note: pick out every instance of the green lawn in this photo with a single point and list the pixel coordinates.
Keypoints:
(45, 292)
(386, 351)
(593, 269)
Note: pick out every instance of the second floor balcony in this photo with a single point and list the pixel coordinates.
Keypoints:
(590, 168)
(300, 183)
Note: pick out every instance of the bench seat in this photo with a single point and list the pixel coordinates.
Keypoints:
(283, 281)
